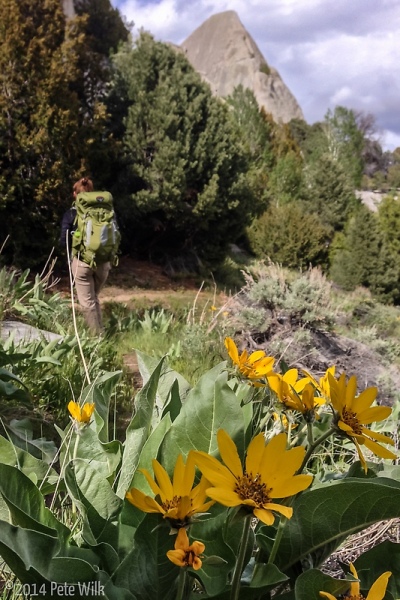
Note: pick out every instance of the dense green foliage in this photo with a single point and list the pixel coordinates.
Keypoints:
(184, 173)
(190, 173)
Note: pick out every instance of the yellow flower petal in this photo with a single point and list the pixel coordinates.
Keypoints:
(214, 471)
(197, 547)
(376, 413)
(266, 516)
(224, 496)
(379, 450)
(380, 437)
(291, 486)
(143, 502)
(254, 454)
(196, 563)
(286, 511)
(154, 487)
(74, 410)
(182, 540)
(232, 350)
(355, 586)
(351, 390)
(229, 453)
(364, 400)
(378, 589)
(177, 557)
(163, 480)
(327, 595)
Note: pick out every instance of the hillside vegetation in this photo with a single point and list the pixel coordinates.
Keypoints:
(191, 174)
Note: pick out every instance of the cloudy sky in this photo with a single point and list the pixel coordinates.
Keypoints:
(328, 52)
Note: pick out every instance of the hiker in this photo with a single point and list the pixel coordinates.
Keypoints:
(90, 233)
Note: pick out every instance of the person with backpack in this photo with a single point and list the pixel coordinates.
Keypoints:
(90, 233)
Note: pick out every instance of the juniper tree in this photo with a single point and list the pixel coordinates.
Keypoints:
(184, 177)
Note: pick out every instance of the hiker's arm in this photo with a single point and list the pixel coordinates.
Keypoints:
(67, 227)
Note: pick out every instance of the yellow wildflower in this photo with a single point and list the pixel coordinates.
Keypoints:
(81, 414)
(175, 500)
(353, 412)
(186, 555)
(253, 366)
(269, 473)
(377, 591)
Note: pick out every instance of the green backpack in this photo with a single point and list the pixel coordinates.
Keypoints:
(96, 237)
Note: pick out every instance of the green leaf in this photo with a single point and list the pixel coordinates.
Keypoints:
(147, 364)
(28, 464)
(146, 569)
(379, 559)
(149, 451)
(324, 517)
(93, 494)
(310, 583)
(21, 434)
(210, 531)
(138, 430)
(100, 393)
(26, 503)
(173, 403)
(104, 457)
(211, 405)
(266, 575)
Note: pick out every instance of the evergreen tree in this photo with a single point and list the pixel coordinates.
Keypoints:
(346, 142)
(184, 177)
(365, 258)
(327, 192)
(39, 116)
(290, 236)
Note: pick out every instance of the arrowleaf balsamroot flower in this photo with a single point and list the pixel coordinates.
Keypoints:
(269, 473)
(175, 500)
(81, 414)
(254, 366)
(377, 591)
(186, 555)
(286, 386)
(353, 412)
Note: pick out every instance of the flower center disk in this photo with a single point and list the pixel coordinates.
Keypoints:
(251, 488)
(350, 418)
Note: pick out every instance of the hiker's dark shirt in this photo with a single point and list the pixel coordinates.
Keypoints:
(67, 226)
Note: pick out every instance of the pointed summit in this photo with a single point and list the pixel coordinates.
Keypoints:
(226, 55)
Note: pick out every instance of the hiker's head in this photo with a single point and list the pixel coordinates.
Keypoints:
(83, 185)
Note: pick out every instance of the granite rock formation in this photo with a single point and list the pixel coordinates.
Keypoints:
(226, 55)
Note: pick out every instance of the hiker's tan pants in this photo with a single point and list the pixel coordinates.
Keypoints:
(88, 283)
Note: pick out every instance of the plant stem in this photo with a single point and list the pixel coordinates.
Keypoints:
(277, 540)
(314, 445)
(180, 594)
(310, 436)
(235, 590)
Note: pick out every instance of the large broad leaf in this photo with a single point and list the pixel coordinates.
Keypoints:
(34, 558)
(93, 494)
(211, 405)
(374, 562)
(168, 376)
(214, 575)
(34, 468)
(310, 583)
(26, 504)
(131, 517)
(99, 393)
(104, 457)
(324, 517)
(138, 430)
(146, 570)
(21, 434)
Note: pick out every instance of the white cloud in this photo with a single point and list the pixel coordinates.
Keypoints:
(328, 52)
